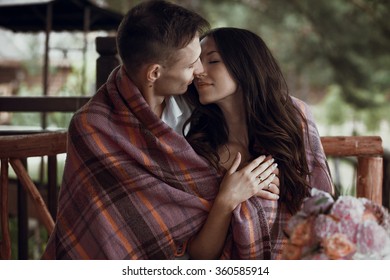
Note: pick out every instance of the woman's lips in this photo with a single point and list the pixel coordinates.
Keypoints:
(202, 84)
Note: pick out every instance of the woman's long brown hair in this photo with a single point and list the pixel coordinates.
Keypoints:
(275, 125)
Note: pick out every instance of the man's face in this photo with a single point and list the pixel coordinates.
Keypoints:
(175, 79)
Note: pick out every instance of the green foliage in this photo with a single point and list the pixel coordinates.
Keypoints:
(332, 43)
(340, 111)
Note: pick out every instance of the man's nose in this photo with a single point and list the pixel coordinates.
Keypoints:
(198, 69)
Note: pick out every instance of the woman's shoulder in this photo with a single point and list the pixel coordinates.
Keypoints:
(303, 107)
(299, 103)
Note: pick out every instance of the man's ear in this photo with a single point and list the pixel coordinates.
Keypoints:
(153, 72)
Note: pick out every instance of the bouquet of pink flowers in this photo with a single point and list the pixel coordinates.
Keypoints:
(346, 228)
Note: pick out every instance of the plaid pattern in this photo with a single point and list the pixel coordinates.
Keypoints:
(135, 189)
(258, 224)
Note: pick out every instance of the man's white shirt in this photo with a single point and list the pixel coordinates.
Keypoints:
(176, 112)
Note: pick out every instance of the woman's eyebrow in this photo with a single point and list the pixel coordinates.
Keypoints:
(211, 52)
(207, 54)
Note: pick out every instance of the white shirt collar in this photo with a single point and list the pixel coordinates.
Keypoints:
(175, 113)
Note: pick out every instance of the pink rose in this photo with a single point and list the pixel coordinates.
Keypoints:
(372, 240)
(302, 234)
(338, 247)
(348, 208)
(376, 212)
(349, 228)
(325, 225)
(294, 221)
(316, 256)
(292, 252)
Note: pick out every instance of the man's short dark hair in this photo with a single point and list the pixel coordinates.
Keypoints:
(152, 31)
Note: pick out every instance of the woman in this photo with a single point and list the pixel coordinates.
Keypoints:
(243, 108)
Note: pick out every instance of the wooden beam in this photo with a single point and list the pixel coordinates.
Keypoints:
(41, 103)
(339, 146)
(23, 146)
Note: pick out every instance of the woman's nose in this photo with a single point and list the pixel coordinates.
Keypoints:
(201, 75)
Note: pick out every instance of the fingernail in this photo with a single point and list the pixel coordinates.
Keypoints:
(261, 159)
(274, 165)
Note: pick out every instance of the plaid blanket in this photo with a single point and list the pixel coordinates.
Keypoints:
(135, 189)
(262, 234)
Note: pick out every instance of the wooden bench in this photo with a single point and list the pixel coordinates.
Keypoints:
(367, 149)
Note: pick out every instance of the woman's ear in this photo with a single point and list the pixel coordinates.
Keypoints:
(153, 72)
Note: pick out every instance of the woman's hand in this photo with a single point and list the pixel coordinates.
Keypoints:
(253, 179)
(271, 191)
(236, 187)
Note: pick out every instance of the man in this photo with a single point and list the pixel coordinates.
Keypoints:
(160, 53)
(132, 184)
(133, 188)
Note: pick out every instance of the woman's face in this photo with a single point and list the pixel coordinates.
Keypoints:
(215, 84)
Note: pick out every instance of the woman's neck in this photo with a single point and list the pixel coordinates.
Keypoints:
(234, 113)
(233, 110)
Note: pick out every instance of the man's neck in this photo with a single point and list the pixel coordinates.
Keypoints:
(156, 103)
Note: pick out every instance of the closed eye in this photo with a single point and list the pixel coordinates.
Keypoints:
(213, 61)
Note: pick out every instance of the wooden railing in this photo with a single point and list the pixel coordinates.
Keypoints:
(16, 147)
(369, 153)
(106, 62)
(13, 150)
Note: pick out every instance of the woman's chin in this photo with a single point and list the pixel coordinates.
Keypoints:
(204, 101)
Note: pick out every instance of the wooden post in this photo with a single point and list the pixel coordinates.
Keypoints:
(52, 193)
(5, 244)
(370, 174)
(37, 199)
(108, 59)
(22, 203)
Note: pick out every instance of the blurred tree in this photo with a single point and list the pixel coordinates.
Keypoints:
(343, 43)
(354, 41)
